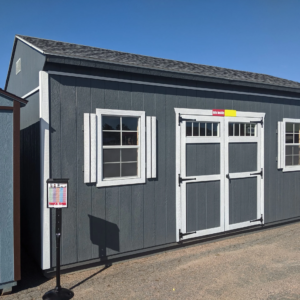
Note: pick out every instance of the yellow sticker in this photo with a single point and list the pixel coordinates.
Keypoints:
(230, 113)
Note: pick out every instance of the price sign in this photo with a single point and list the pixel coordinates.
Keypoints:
(57, 193)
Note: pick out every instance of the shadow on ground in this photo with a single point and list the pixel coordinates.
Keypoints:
(31, 274)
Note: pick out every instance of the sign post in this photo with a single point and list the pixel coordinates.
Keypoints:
(57, 197)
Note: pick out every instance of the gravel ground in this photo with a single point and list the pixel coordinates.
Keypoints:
(260, 265)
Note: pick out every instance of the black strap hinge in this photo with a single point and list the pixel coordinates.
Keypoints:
(180, 179)
(260, 219)
(180, 120)
(181, 235)
(258, 122)
(261, 173)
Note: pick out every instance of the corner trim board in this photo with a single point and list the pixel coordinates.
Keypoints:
(45, 168)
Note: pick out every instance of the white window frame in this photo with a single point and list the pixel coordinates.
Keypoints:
(141, 159)
(282, 144)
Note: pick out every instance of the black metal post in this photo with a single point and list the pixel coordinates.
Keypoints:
(58, 293)
(58, 233)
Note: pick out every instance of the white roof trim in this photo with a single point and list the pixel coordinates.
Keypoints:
(29, 44)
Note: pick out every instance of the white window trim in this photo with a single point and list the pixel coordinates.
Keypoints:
(141, 159)
(282, 144)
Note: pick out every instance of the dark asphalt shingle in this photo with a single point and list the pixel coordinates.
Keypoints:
(110, 56)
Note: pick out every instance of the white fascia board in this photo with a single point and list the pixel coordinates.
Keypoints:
(45, 168)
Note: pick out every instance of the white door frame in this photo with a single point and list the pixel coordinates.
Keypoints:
(180, 169)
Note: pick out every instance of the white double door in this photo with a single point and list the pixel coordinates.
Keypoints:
(220, 175)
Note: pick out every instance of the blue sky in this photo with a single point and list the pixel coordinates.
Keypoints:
(260, 36)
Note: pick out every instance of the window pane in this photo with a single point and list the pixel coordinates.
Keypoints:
(111, 155)
(236, 129)
(130, 123)
(189, 128)
(248, 130)
(202, 129)
(297, 127)
(289, 138)
(110, 123)
(296, 160)
(111, 138)
(289, 160)
(296, 138)
(129, 169)
(195, 129)
(230, 129)
(252, 129)
(129, 154)
(242, 130)
(111, 170)
(129, 138)
(215, 129)
(289, 127)
(209, 129)
(289, 150)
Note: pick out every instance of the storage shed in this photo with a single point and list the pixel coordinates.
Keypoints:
(10, 252)
(157, 152)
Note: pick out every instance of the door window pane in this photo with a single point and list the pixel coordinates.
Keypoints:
(195, 129)
(215, 129)
(230, 129)
(202, 129)
(189, 128)
(236, 129)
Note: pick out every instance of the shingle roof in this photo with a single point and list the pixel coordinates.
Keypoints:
(109, 56)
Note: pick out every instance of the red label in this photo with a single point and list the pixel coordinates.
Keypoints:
(218, 112)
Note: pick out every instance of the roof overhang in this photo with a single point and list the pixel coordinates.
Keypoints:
(13, 97)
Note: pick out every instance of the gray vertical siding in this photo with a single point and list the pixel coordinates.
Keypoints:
(31, 63)
(120, 219)
(6, 197)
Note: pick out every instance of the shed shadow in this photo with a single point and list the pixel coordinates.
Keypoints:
(105, 235)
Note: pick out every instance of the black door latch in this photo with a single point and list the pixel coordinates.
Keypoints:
(181, 235)
(259, 173)
(180, 180)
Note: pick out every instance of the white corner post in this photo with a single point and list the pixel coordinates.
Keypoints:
(44, 168)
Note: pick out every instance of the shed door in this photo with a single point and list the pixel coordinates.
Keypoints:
(202, 176)
(244, 172)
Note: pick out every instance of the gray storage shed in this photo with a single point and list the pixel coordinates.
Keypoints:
(10, 252)
(158, 152)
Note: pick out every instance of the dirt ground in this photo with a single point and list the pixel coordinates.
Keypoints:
(260, 265)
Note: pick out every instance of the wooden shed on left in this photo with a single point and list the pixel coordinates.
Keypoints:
(10, 249)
